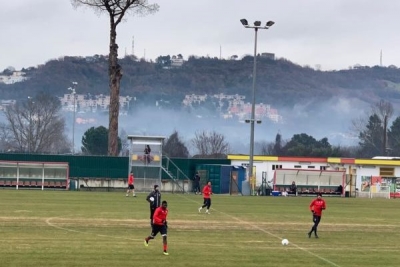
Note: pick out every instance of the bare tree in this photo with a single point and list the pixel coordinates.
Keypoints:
(125, 145)
(200, 142)
(36, 125)
(358, 125)
(210, 144)
(116, 10)
(265, 148)
(385, 111)
(5, 138)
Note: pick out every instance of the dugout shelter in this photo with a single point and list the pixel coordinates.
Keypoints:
(310, 182)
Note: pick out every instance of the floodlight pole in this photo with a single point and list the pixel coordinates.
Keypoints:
(257, 25)
(73, 92)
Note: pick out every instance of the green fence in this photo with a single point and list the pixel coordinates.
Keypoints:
(80, 166)
(106, 167)
(188, 166)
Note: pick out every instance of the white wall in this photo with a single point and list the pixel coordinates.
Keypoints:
(266, 166)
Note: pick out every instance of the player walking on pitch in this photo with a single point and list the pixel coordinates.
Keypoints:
(159, 226)
(131, 187)
(207, 192)
(154, 198)
(316, 207)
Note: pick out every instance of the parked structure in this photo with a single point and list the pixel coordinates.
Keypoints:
(363, 176)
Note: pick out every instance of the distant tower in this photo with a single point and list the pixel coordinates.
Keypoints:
(381, 59)
(220, 52)
(133, 45)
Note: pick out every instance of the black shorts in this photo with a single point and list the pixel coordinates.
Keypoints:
(152, 213)
(131, 187)
(155, 229)
(207, 201)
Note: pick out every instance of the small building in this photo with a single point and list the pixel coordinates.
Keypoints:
(268, 55)
(364, 177)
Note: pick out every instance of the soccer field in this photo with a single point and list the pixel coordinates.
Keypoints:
(106, 229)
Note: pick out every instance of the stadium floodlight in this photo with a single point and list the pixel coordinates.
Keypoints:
(270, 23)
(244, 22)
(73, 93)
(257, 25)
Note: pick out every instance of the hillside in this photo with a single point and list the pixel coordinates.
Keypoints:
(279, 82)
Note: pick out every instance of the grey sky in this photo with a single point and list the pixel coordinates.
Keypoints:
(334, 34)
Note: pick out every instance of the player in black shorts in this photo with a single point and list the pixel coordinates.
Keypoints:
(159, 226)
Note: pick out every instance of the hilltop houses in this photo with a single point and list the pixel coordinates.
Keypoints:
(15, 77)
(233, 106)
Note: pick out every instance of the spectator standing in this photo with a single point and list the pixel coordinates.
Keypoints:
(196, 181)
(147, 156)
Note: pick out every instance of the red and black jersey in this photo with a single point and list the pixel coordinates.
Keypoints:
(160, 216)
(207, 191)
(317, 205)
(130, 179)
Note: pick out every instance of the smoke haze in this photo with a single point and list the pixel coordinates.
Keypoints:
(331, 119)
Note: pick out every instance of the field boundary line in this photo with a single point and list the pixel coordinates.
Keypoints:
(48, 222)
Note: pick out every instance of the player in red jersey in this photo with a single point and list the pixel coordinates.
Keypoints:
(131, 187)
(316, 207)
(159, 226)
(207, 192)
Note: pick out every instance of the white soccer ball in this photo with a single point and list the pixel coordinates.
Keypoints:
(151, 199)
(285, 242)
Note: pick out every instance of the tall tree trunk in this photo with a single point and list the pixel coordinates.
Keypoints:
(384, 145)
(115, 75)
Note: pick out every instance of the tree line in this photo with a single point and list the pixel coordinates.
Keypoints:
(36, 125)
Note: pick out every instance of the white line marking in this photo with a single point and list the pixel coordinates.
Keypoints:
(269, 233)
(82, 232)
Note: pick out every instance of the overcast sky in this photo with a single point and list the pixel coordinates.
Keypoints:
(334, 34)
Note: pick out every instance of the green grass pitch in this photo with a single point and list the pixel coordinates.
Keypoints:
(106, 229)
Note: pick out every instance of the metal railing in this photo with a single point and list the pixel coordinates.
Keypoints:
(177, 176)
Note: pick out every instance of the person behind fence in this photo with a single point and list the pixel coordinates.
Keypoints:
(293, 188)
(196, 183)
(131, 186)
(154, 198)
(147, 151)
(159, 226)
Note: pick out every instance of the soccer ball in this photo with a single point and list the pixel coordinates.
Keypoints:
(151, 199)
(285, 242)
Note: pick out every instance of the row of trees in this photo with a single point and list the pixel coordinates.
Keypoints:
(36, 125)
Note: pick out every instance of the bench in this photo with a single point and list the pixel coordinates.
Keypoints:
(310, 190)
